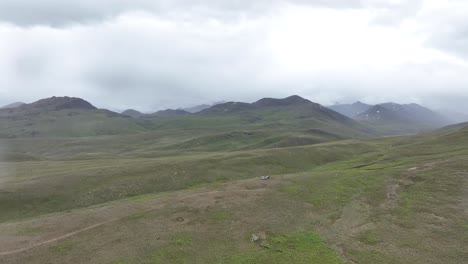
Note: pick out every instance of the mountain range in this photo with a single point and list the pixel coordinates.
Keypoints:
(178, 187)
(64, 117)
(69, 116)
(198, 108)
(393, 118)
(267, 122)
(350, 110)
(169, 112)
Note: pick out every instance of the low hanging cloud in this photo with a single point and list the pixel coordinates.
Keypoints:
(449, 28)
(59, 13)
(152, 55)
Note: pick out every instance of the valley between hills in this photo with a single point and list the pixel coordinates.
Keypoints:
(348, 184)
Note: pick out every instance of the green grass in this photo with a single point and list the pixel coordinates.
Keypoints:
(219, 215)
(28, 230)
(292, 248)
(63, 248)
(335, 188)
(65, 185)
(371, 256)
(350, 200)
(297, 247)
(89, 123)
(68, 123)
(369, 237)
(137, 216)
(179, 250)
(144, 197)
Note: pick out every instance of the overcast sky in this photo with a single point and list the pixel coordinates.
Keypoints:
(151, 55)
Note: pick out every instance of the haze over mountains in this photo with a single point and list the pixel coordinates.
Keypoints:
(139, 162)
(65, 116)
(62, 117)
(199, 108)
(73, 174)
(61, 154)
(350, 110)
(12, 105)
(67, 154)
(133, 113)
(411, 118)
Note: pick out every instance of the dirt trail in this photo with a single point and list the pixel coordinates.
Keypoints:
(65, 236)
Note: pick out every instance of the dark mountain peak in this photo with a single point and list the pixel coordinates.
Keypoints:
(59, 103)
(291, 100)
(351, 110)
(409, 114)
(170, 112)
(413, 109)
(13, 105)
(380, 112)
(231, 107)
(360, 104)
(228, 107)
(392, 106)
(198, 108)
(132, 113)
(295, 99)
(379, 108)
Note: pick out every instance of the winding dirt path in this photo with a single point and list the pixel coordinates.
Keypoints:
(65, 236)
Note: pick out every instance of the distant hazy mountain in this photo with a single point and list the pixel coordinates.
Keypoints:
(289, 113)
(13, 105)
(232, 107)
(455, 117)
(293, 106)
(170, 112)
(71, 117)
(229, 107)
(416, 113)
(199, 108)
(56, 104)
(133, 113)
(350, 110)
(64, 117)
(381, 114)
(406, 118)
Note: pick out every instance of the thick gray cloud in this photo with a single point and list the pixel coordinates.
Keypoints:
(449, 28)
(393, 12)
(58, 12)
(150, 55)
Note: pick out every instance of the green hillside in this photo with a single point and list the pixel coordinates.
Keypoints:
(361, 201)
(187, 189)
(268, 123)
(68, 123)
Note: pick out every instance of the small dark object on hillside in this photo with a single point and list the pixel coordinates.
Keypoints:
(179, 219)
(264, 178)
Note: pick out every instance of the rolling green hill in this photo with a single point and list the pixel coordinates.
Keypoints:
(267, 123)
(64, 117)
(187, 189)
(272, 117)
(361, 201)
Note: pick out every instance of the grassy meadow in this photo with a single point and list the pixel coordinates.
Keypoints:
(174, 191)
